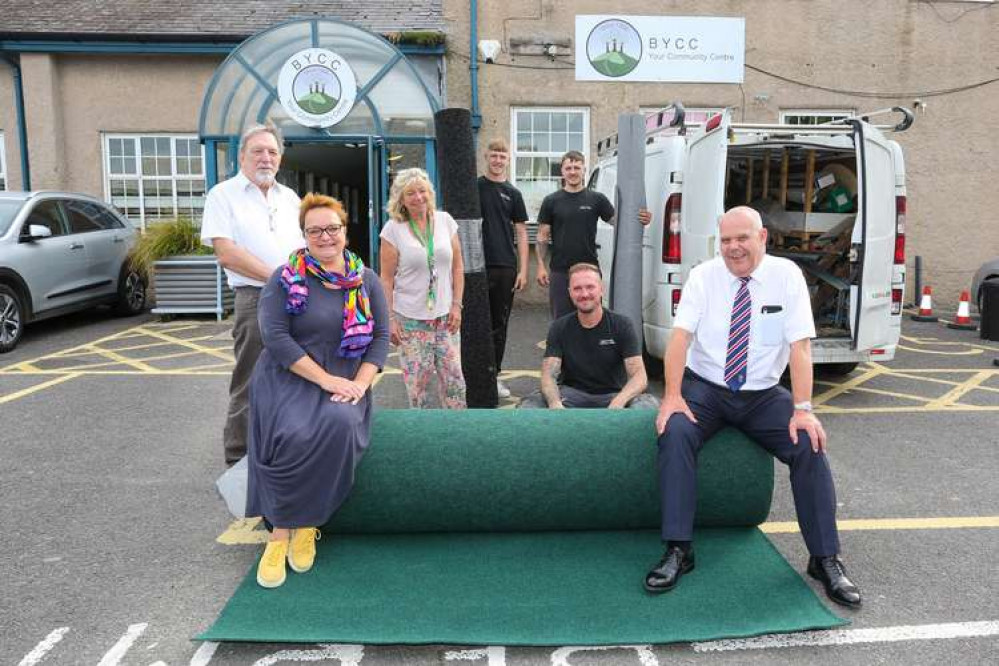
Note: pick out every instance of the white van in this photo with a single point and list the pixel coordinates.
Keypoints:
(832, 198)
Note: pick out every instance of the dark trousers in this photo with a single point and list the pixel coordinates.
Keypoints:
(247, 347)
(501, 280)
(558, 294)
(763, 416)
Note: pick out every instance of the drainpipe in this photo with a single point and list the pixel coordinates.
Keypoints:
(22, 127)
(473, 65)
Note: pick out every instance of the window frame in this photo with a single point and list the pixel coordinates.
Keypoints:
(834, 114)
(140, 178)
(514, 152)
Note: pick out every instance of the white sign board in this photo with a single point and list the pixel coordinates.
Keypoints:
(683, 49)
(317, 87)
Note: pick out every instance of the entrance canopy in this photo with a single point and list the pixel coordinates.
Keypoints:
(392, 100)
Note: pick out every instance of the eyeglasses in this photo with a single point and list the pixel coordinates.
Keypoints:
(315, 233)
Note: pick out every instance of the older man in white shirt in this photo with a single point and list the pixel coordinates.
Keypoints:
(251, 222)
(742, 317)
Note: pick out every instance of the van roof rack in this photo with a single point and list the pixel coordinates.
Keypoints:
(838, 126)
(666, 120)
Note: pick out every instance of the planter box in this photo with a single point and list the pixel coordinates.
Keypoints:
(191, 285)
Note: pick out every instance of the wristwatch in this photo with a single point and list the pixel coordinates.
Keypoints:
(803, 406)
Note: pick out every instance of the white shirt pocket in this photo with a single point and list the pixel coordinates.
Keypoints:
(771, 328)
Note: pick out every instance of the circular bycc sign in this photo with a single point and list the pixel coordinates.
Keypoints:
(317, 87)
(614, 47)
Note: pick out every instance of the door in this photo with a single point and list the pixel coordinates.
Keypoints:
(873, 239)
(59, 262)
(703, 192)
(377, 196)
(106, 240)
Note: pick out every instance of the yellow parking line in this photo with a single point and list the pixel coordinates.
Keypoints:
(873, 371)
(10, 397)
(862, 524)
(184, 343)
(138, 365)
(955, 407)
(244, 532)
(969, 352)
(955, 394)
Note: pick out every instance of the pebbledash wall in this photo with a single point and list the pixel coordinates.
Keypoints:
(798, 54)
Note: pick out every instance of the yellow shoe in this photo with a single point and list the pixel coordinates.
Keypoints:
(270, 570)
(302, 553)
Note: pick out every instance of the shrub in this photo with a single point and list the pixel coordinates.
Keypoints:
(166, 238)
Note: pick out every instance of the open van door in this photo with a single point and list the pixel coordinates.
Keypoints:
(704, 190)
(873, 239)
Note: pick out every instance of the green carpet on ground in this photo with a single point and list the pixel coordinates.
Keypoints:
(547, 588)
(533, 527)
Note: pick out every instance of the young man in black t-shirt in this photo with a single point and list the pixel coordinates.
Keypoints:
(592, 356)
(503, 212)
(567, 222)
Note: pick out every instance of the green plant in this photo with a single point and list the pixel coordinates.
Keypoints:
(166, 238)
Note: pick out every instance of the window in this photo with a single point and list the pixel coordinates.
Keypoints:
(154, 177)
(813, 116)
(84, 216)
(540, 136)
(3, 166)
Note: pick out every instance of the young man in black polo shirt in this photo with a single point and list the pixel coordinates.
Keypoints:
(567, 222)
(503, 212)
(592, 356)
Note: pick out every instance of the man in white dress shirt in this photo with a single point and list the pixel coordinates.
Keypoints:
(741, 318)
(251, 222)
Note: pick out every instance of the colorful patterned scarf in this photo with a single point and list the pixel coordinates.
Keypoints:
(358, 324)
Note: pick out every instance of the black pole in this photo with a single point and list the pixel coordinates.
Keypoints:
(460, 197)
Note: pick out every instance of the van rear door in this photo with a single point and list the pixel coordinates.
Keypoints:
(873, 239)
(703, 191)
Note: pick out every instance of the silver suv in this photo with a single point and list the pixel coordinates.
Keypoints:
(61, 252)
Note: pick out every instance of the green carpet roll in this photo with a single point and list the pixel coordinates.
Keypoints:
(538, 470)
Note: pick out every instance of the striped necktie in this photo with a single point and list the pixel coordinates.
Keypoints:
(738, 337)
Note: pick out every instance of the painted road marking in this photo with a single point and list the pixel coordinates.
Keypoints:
(44, 647)
(920, 632)
(114, 656)
(245, 532)
(347, 655)
(10, 397)
(495, 655)
(646, 657)
(860, 524)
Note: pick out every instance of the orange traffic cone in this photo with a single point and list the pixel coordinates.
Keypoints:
(962, 320)
(925, 306)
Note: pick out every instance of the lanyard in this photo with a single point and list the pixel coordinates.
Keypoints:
(427, 241)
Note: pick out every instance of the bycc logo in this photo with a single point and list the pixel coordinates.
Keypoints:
(614, 47)
(317, 88)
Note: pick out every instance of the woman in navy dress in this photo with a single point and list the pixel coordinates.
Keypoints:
(324, 323)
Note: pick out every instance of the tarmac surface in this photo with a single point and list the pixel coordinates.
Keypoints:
(118, 549)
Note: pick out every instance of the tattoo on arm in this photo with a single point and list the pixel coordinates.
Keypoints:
(550, 370)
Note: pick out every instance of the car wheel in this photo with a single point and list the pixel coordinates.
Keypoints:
(131, 292)
(11, 319)
(836, 369)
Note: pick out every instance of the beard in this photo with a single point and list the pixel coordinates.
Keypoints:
(263, 177)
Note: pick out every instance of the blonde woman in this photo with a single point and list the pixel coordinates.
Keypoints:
(423, 278)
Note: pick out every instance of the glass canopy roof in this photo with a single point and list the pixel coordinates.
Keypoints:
(392, 99)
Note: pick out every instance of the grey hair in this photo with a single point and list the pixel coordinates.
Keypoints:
(745, 211)
(254, 130)
(396, 209)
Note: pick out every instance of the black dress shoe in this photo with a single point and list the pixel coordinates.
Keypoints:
(665, 575)
(832, 574)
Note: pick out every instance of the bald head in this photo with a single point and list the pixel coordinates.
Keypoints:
(743, 240)
(743, 213)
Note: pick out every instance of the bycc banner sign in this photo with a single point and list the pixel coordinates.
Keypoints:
(684, 49)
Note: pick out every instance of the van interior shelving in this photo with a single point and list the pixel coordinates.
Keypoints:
(807, 197)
